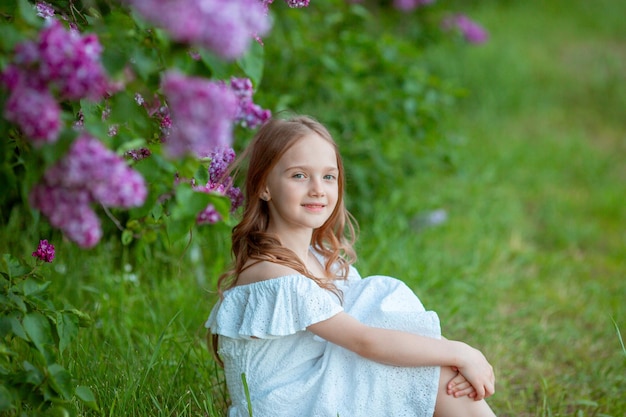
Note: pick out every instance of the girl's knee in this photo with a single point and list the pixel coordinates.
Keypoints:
(450, 406)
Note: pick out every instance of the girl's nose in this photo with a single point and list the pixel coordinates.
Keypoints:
(317, 187)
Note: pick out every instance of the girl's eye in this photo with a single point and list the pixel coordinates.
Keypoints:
(298, 175)
(330, 177)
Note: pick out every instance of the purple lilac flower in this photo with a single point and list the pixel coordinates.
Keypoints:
(69, 210)
(236, 197)
(471, 31)
(208, 216)
(60, 61)
(138, 154)
(89, 173)
(223, 26)
(45, 251)
(79, 123)
(36, 112)
(249, 114)
(220, 184)
(408, 5)
(71, 62)
(221, 158)
(297, 3)
(139, 99)
(26, 54)
(90, 165)
(85, 228)
(44, 10)
(203, 113)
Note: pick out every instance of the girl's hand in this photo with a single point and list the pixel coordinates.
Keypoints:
(477, 371)
(459, 386)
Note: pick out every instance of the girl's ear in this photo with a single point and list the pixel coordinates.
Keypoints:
(265, 195)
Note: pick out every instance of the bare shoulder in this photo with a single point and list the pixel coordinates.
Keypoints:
(263, 271)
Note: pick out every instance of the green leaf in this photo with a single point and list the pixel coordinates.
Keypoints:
(202, 175)
(6, 399)
(84, 319)
(29, 14)
(37, 328)
(219, 68)
(33, 375)
(61, 380)
(177, 229)
(12, 266)
(189, 203)
(221, 204)
(124, 109)
(11, 36)
(86, 396)
(32, 287)
(7, 7)
(252, 63)
(127, 237)
(67, 329)
(17, 327)
(18, 302)
(59, 411)
(145, 63)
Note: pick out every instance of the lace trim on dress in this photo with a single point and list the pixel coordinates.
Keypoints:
(272, 308)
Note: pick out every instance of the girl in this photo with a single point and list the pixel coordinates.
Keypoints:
(299, 332)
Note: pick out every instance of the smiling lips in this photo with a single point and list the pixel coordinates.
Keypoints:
(314, 207)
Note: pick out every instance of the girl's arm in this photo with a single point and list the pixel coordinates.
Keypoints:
(399, 348)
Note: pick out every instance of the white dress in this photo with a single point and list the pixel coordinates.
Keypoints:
(290, 372)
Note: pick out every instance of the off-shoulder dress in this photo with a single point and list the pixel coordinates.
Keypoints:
(291, 372)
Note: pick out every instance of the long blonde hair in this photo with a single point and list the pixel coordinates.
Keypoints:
(250, 240)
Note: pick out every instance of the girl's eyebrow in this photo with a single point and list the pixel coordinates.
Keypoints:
(307, 168)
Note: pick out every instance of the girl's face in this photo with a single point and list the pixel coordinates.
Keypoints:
(302, 188)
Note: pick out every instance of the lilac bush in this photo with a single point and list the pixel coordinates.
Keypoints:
(89, 173)
(70, 62)
(221, 158)
(249, 114)
(219, 183)
(35, 111)
(225, 27)
(161, 94)
(203, 113)
(62, 64)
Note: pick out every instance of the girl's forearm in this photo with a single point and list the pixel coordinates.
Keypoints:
(398, 348)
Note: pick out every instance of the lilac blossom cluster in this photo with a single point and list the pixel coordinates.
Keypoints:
(44, 10)
(203, 113)
(472, 32)
(89, 173)
(290, 3)
(45, 251)
(408, 5)
(138, 154)
(225, 27)
(219, 183)
(249, 115)
(60, 65)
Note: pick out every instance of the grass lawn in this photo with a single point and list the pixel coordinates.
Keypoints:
(531, 264)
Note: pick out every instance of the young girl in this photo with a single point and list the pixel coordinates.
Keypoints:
(299, 332)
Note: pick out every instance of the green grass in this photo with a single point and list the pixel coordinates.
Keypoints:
(530, 266)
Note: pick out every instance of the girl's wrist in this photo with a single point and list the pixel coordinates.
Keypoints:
(458, 349)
